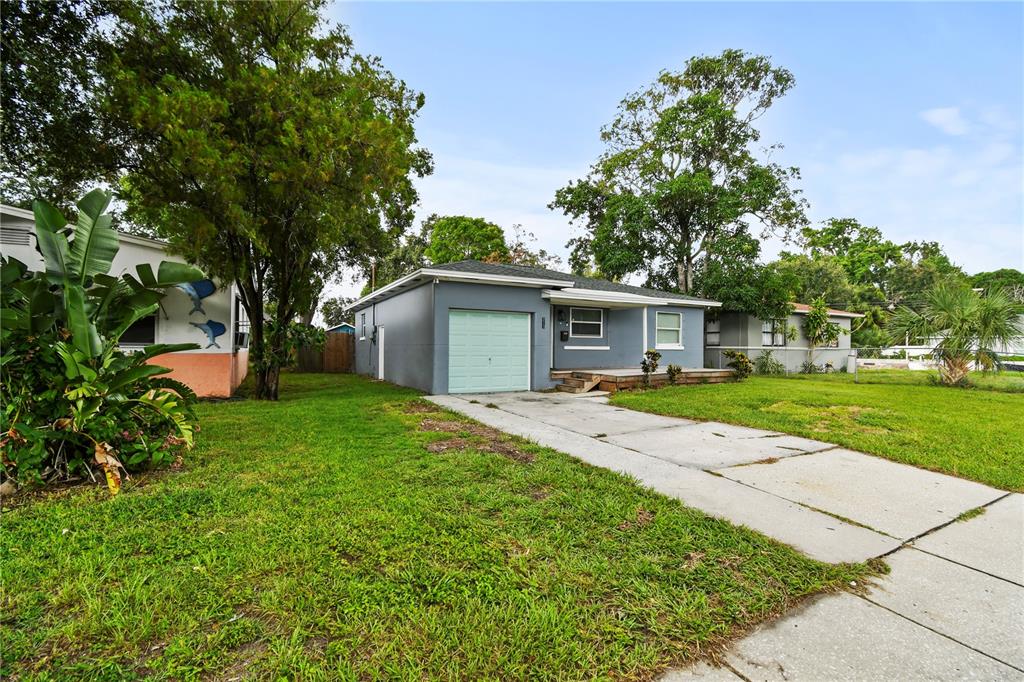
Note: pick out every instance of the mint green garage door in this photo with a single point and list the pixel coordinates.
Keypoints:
(488, 351)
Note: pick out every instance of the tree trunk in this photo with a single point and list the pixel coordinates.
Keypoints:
(684, 275)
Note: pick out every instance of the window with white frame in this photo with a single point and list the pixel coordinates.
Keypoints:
(586, 323)
(773, 332)
(362, 326)
(241, 325)
(669, 330)
(712, 331)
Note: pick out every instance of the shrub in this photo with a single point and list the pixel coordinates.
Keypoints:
(74, 404)
(766, 363)
(673, 372)
(809, 367)
(649, 365)
(740, 363)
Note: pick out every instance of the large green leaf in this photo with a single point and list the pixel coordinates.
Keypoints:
(11, 270)
(171, 273)
(83, 331)
(125, 377)
(52, 242)
(96, 242)
(161, 348)
(130, 319)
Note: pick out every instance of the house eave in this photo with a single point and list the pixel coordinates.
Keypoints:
(617, 299)
(424, 275)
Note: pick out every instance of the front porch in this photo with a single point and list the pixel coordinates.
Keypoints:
(611, 380)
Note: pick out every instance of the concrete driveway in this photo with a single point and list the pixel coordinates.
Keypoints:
(953, 605)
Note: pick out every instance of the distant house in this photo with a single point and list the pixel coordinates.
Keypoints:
(343, 328)
(753, 336)
(207, 313)
(470, 327)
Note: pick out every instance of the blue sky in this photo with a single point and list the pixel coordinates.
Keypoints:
(904, 116)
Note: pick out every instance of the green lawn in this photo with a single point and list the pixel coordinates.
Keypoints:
(975, 433)
(352, 531)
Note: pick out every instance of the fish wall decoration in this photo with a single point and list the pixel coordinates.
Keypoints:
(197, 291)
(212, 329)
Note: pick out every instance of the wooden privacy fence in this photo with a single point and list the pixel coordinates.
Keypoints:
(337, 355)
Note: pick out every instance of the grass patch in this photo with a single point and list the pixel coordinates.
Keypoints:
(902, 416)
(329, 536)
(971, 514)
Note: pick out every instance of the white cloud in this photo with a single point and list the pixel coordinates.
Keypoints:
(947, 119)
(969, 197)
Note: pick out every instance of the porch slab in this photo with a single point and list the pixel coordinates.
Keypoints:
(980, 611)
(844, 637)
(712, 445)
(896, 499)
(992, 542)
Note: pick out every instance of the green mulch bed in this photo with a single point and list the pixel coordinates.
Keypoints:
(974, 433)
(354, 531)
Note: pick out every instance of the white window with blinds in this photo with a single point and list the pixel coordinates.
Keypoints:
(586, 323)
(669, 331)
(773, 333)
(712, 332)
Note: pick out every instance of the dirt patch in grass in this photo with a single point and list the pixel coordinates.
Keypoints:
(643, 517)
(540, 493)
(447, 444)
(484, 439)
(484, 443)
(420, 407)
(243, 658)
(821, 419)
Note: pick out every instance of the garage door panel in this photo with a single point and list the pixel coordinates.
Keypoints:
(488, 351)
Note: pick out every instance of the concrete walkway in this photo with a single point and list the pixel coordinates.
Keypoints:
(953, 605)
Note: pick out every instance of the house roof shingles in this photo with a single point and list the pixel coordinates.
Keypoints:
(578, 281)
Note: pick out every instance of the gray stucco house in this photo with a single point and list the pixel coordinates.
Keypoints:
(470, 327)
(753, 336)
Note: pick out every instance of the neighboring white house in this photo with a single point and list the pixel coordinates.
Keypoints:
(207, 313)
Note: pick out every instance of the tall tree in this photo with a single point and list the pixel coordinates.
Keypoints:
(454, 238)
(52, 140)
(679, 172)
(732, 274)
(265, 148)
(1009, 280)
(333, 310)
(864, 253)
(521, 250)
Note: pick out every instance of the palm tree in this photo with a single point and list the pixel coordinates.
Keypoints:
(965, 325)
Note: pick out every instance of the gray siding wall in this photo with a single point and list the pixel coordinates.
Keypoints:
(737, 326)
(408, 338)
(464, 296)
(692, 355)
(622, 335)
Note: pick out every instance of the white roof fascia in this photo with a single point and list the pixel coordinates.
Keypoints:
(619, 298)
(454, 276)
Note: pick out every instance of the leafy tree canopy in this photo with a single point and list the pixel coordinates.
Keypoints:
(678, 173)
(455, 238)
(1009, 280)
(52, 139)
(444, 239)
(732, 274)
(265, 148)
(333, 310)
